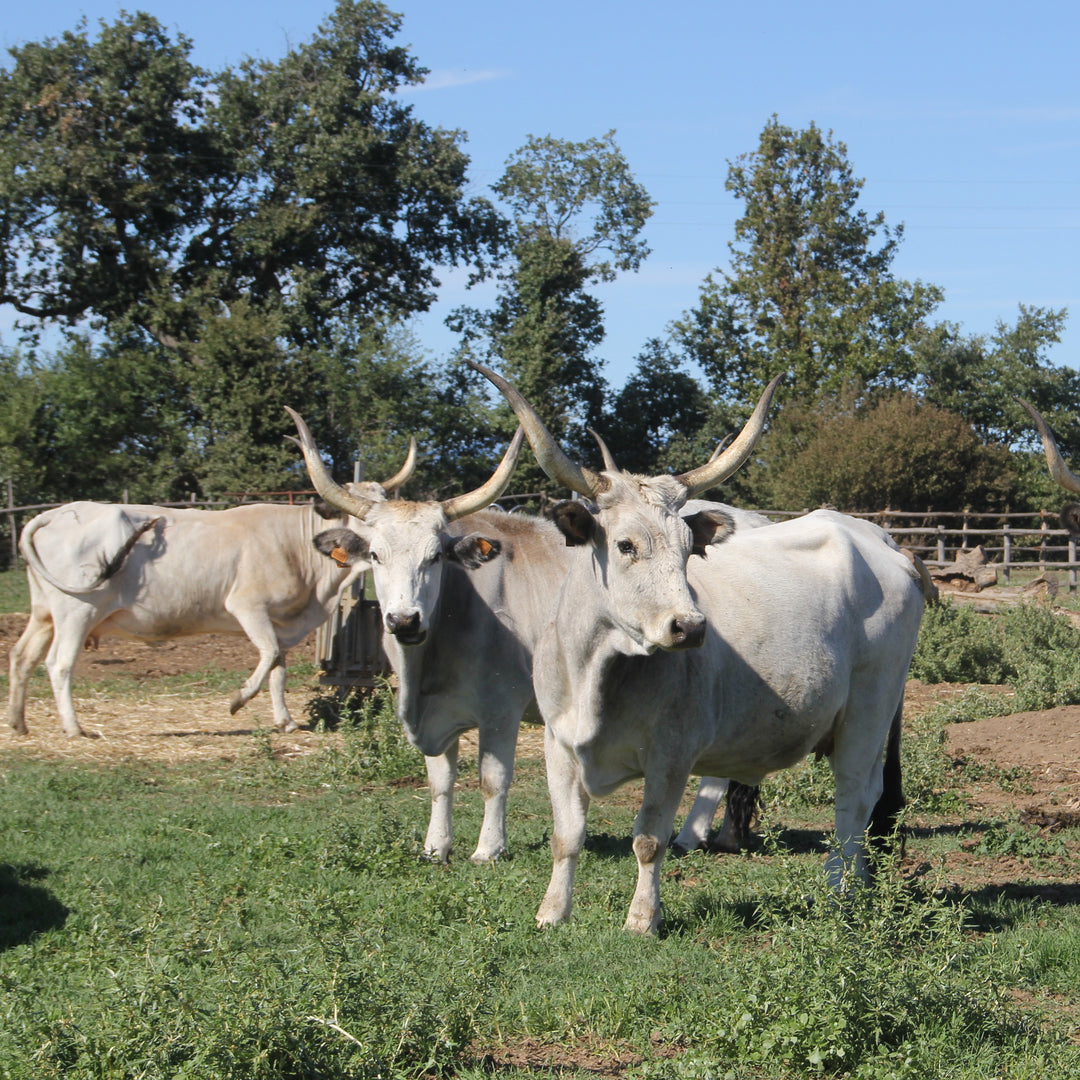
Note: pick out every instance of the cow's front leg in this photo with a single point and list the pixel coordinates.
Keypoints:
(442, 775)
(497, 744)
(696, 828)
(275, 682)
(652, 828)
(569, 808)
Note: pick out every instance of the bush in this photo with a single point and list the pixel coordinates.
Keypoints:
(1029, 648)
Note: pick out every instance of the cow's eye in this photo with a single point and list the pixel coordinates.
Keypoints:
(373, 557)
(626, 547)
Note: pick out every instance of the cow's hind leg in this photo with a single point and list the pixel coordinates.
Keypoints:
(739, 813)
(498, 742)
(27, 653)
(442, 775)
(260, 632)
(60, 661)
(883, 821)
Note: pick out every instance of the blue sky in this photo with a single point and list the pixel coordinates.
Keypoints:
(963, 118)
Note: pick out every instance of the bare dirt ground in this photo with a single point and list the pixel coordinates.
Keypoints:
(1040, 750)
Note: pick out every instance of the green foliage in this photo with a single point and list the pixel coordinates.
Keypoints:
(375, 746)
(1030, 648)
(871, 454)
(14, 592)
(577, 213)
(956, 644)
(810, 289)
(270, 917)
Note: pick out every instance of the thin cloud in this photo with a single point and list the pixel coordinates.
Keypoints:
(451, 78)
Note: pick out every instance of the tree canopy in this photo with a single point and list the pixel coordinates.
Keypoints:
(137, 189)
(810, 289)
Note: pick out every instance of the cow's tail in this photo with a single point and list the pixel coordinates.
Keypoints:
(883, 822)
(930, 590)
(109, 566)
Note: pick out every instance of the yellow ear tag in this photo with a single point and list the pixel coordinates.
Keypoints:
(341, 557)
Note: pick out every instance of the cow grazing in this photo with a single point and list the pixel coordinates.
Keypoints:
(788, 639)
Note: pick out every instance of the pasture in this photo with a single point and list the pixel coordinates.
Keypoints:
(190, 894)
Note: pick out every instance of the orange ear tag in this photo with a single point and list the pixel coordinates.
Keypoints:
(485, 547)
(341, 557)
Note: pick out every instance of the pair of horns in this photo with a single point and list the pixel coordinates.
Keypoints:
(585, 482)
(357, 506)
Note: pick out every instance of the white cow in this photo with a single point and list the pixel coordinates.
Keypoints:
(789, 639)
(155, 573)
(463, 610)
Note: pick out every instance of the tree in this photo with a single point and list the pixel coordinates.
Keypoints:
(576, 214)
(864, 455)
(239, 225)
(138, 189)
(657, 415)
(810, 288)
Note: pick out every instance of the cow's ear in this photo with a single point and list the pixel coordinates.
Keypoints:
(474, 550)
(709, 528)
(325, 510)
(574, 521)
(344, 546)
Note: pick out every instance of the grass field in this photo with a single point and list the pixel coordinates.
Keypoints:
(272, 917)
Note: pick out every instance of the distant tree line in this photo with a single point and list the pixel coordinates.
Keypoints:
(214, 245)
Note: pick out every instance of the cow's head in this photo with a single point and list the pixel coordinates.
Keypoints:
(640, 545)
(404, 542)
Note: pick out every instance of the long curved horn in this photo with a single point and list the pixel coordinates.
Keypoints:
(548, 453)
(1059, 471)
(722, 465)
(461, 505)
(405, 471)
(337, 496)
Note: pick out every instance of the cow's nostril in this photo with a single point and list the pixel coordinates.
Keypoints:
(687, 633)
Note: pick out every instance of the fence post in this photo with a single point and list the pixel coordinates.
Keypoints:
(1072, 563)
(1042, 542)
(13, 525)
(941, 545)
(1006, 551)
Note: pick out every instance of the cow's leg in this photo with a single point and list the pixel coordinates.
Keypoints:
(275, 684)
(260, 631)
(857, 769)
(442, 775)
(655, 820)
(739, 810)
(67, 643)
(569, 807)
(28, 652)
(695, 830)
(498, 742)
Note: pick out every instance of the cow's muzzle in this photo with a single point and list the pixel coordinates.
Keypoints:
(687, 632)
(406, 628)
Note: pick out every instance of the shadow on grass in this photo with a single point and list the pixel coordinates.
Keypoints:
(26, 910)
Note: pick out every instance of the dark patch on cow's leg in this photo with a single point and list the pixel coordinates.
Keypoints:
(883, 821)
(740, 812)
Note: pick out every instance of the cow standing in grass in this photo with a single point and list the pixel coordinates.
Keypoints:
(790, 639)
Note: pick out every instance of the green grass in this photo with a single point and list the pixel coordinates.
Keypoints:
(14, 592)
(274, 919)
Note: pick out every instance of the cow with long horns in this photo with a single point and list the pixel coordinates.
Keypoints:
(789, 639)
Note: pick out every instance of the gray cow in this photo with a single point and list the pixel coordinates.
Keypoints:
(788, 639)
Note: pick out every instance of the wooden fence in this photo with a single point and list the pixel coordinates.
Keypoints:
(1018, 543)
